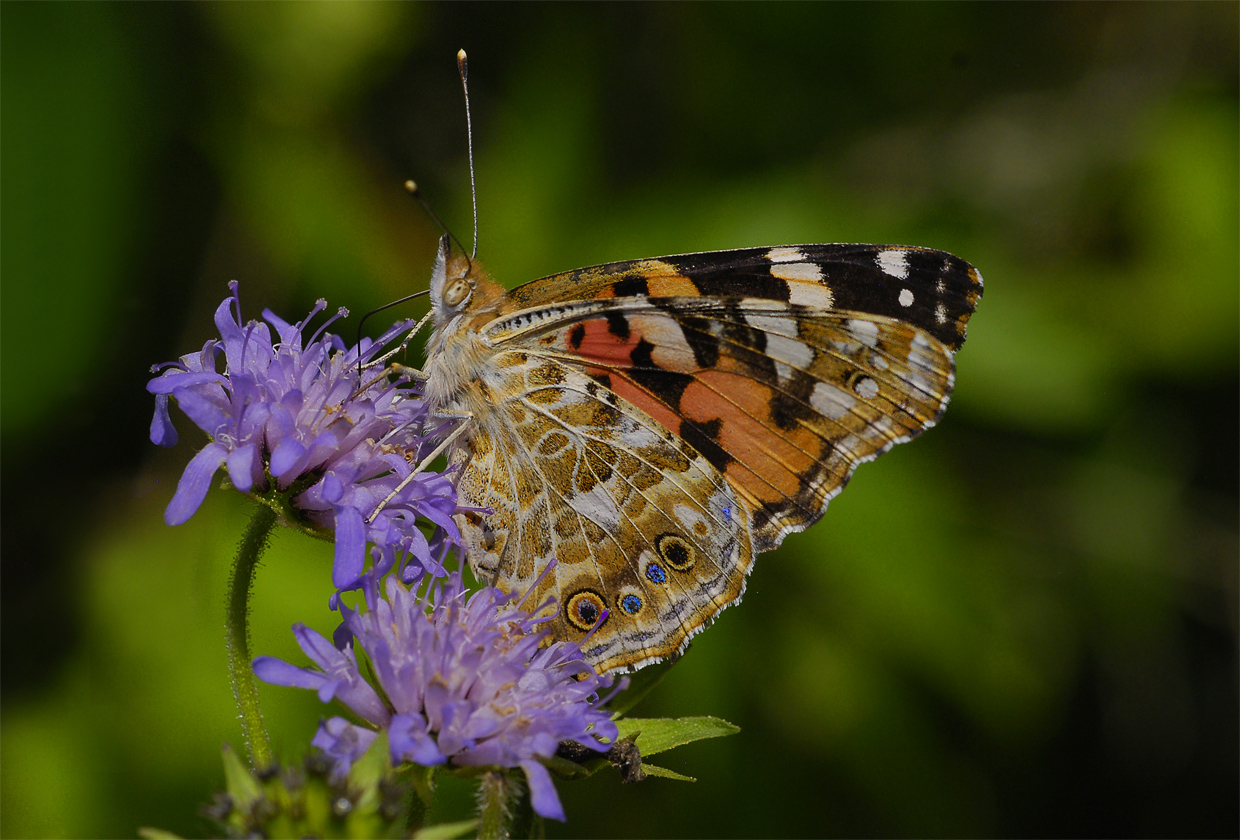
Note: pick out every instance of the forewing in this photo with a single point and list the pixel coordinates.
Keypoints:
(642, 526)
(753, 362)
(933, 290)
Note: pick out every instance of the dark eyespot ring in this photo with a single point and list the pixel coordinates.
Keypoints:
(583, 609)
(678, 553)
(629, 603)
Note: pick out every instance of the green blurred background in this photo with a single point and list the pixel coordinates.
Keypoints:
(1023, 624)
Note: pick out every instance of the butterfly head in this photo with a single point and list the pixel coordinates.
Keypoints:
(452, 283)
(463, 300)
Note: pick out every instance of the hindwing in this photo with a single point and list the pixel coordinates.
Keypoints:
(641, 525)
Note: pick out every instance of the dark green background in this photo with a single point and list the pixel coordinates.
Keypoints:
(1022, 624)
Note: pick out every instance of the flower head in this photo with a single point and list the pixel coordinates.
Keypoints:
(291, 415)
(464, 681)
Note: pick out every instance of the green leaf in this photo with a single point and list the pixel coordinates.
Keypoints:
(368, 770)
(157, 834)
(446, 831)
(238, 781)
(571, 769)
(663, 772)
(640, 684)
(422, 779)
(656, 735)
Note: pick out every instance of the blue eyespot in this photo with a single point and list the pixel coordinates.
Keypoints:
(655, 573)
(630, 604)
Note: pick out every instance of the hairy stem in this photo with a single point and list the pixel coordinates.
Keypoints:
(241, 675)
(497, 794)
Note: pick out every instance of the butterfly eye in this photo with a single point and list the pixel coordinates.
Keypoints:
(456, 292)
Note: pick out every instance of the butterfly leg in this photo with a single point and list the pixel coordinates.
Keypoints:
(465, 419)
(400, 348)
(411, 373)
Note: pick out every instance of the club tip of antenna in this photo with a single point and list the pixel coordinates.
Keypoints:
(411, 187)
(461, 58)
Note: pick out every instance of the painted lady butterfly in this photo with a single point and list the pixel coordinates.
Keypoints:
(654, 424)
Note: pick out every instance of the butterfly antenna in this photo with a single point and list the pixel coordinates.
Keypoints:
(462, 64)
(412, 188)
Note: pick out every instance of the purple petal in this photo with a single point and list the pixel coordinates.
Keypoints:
(242, 465)
(410, 741)
(278, 672)
(350, 547)
(225, 322)
(289, 334)
(194, 483)
(344, 742)
(442, 519)
(206, 413)
(163, 433)
(543, 796)
(322, 652)
(343, 681)
(169, 382)
(286, 457)
(332, 489)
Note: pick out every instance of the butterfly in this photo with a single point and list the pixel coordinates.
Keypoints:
(652, 425)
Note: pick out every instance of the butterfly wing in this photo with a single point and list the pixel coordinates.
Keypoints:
(727, 396)
(642, 526)
(933, 290)
(784, 367)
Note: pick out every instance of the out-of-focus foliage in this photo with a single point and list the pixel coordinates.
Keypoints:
(1022, 624)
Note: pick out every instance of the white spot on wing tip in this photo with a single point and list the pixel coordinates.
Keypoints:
(940, 314)
(796, 271)
(785, 254)
(894, 262)
(906, 297)
(811, 295)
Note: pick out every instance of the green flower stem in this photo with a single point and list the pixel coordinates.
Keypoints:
(240, 585)
(497, 793)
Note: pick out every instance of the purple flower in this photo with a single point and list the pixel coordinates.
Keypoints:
(293, 417)
(463, 681)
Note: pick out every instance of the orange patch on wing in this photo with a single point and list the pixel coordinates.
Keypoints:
(627, 390)
(671, 285)
(662, 280)
(609, 354)
(598, 283)
(769, 461)
(599, 344)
